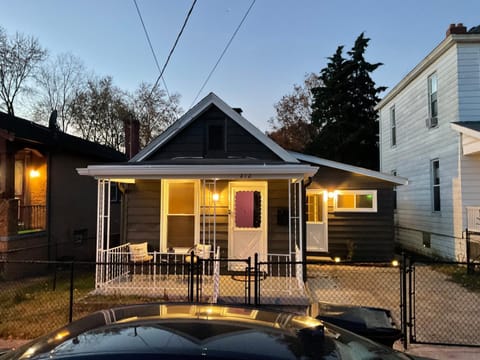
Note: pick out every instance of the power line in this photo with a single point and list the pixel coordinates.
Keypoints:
(174, 45)
(223, 53)
(151, 47)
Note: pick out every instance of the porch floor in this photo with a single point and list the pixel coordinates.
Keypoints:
(273, 290)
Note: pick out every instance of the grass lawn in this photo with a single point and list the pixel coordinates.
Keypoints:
(458, 274)
(32, 307)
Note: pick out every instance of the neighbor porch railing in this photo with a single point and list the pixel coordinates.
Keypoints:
(31, 217)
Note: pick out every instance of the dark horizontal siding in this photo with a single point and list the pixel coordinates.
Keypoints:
(277, 200)
(190, 142)
(143, 213)
(370, 233)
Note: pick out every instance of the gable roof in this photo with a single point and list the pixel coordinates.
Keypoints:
(350, 168)
(13, 127)
(195, 112)
(436, 53)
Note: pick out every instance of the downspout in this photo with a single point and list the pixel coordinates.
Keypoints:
(304, 225)
(50, 256)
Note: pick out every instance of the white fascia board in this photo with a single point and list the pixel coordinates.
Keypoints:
(199, 171)
(351, 168)
(465, 130)
(194, 112)
(436, 53)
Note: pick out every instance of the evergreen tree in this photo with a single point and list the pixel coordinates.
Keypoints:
(343, 109)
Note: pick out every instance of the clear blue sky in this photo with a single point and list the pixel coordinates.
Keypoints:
(280, 41)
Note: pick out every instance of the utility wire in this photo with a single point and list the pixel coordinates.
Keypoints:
(174, 45)
(151, 47)
(223, 53)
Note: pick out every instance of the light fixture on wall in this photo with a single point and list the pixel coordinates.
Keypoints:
(332, 194)
(215, 197)
(34, 173)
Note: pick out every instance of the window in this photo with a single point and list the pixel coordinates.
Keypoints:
(394, 173)
(215, 137)
(356, 200)
(248, 206)
(315, 207)
(432, 101)
(393, 126)
(435, 174)
(115, 194)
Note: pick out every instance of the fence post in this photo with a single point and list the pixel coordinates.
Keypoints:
(190, 277)
(403, 284)
(468, 250)
(255, 280)
(70, 314)
(249, 278)
(411, 300)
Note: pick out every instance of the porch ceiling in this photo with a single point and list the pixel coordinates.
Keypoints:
(265, 171)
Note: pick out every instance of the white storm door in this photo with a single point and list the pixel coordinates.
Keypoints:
(247, 233)
(317, 219)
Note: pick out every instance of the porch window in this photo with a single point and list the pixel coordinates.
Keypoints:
(181, 214)
(356, 201)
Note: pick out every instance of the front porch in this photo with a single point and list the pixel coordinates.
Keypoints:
(171, 277)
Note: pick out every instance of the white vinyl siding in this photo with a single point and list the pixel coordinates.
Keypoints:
(411, 157)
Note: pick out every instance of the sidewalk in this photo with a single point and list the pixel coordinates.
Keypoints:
(440, 352)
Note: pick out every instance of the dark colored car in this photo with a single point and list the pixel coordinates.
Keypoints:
(165, 331)
(376, 324)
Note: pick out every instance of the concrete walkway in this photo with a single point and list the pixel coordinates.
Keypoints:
(441, 352)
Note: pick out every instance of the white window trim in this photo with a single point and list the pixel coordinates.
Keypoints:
(393, 127)
(356, 192)
(430, 121)
(433, 186)
(164, 212)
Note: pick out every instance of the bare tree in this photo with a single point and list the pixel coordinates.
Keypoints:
(291, 127)
(58, 82)
(154, 110)
(19, 57)
(98, 112)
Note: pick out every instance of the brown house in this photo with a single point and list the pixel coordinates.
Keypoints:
(46, 209)
(213, 180)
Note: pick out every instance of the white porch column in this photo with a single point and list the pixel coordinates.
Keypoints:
(103, 227)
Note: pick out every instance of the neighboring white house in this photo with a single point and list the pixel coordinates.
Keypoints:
(430, 134)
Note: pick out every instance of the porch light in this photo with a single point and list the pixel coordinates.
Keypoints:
(395, 263)
(337, 259)
(332, 194)
(215, 197)
(34, 173)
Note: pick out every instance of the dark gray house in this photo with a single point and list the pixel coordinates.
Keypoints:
(214, 180)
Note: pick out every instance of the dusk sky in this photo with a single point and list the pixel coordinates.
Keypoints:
(279, 42)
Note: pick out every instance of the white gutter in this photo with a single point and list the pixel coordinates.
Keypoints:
(198, 171)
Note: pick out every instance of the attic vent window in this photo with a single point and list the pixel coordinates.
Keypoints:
(216, 138)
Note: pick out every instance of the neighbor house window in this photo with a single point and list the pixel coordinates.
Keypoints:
(432, 101)
(393, 126)
(356, 200)
(394, 173)
(435, 174)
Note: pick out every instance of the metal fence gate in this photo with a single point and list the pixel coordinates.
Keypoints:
(441, 307)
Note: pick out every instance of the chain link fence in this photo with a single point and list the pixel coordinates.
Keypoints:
(444, 300)
(432, 302)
